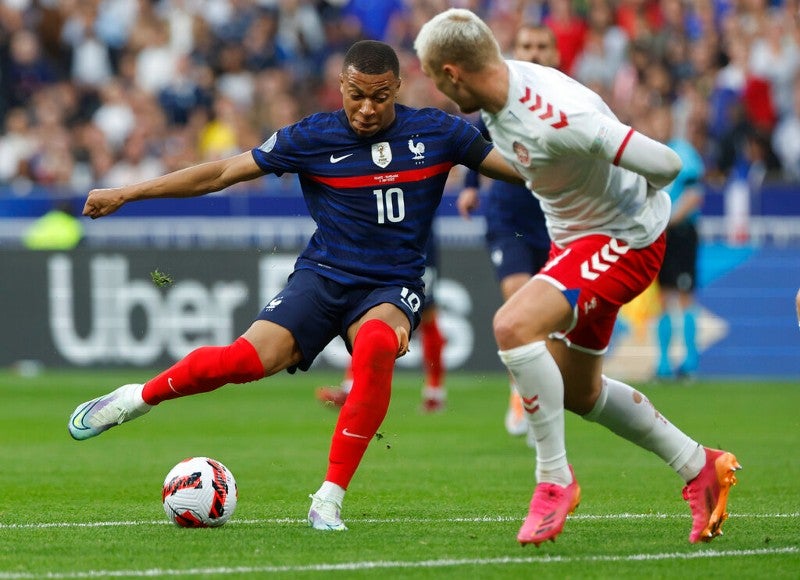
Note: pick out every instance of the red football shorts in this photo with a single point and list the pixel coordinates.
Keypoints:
(604, 274)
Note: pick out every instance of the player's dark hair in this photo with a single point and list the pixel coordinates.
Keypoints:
(372, 57)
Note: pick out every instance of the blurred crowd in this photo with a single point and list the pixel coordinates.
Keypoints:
(107, 92)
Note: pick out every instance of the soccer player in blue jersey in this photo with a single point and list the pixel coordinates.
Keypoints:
(372, 175)
(516, 232)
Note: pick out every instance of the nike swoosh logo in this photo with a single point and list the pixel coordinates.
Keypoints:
(348, 433)
(335, 159)
(77, 419)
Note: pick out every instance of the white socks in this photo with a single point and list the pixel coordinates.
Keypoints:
(541, 387)
(620, 408)
(330, 491)
(628, 413)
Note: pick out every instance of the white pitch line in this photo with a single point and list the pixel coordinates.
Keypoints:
(474, 520)
(398, 564)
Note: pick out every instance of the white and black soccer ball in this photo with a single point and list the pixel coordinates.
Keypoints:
(199, 492)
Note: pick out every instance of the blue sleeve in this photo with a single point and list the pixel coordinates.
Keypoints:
(287, 150)
(472, 177)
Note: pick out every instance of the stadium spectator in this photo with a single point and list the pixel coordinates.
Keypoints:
(606, 47)
(114, 117)
(185, 94)
(677, 278)
(570, 30)
(373, 174)
(516, 233)
(775, 57)
(599, 185)
(786, 138)
(155, 59)
(136, 162)
(17, 145)
(91, 64)
(262, 49)
(27, 71)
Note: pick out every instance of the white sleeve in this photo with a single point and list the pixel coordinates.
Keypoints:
(601, 136)
(653, 160)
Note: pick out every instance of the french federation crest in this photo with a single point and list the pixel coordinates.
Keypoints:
(418, 149)
(381, 154)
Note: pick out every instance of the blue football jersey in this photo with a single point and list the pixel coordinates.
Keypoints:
(373, 198)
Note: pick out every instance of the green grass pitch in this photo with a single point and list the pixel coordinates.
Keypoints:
(436, 497)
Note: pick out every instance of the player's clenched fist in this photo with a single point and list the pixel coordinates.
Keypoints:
(101, 202)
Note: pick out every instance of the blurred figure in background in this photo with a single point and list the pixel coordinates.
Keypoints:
(678, 275)
(797, 306)
(58, 229)
(516, 233)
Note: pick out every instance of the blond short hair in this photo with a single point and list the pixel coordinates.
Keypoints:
(457, 36)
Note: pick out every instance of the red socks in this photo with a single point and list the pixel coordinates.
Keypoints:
(374, 351)
(432, 346)
(205, 369)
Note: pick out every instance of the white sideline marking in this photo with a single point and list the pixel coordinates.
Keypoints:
(399, 564)
(473, 520)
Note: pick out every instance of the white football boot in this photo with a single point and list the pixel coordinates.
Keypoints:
(324, 514)
(93, 417)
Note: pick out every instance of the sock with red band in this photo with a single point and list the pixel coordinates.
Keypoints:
(374, 350)
(432, 346)
(205, 369)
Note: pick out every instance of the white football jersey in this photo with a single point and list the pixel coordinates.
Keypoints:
(566, 143)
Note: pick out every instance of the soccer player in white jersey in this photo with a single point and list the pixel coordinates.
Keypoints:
(599, 183)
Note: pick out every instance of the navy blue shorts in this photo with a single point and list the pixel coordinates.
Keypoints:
(679, 270)
(316, 310)
(512, 254)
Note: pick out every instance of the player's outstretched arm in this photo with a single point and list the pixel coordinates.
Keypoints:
(653, 160)
(495, 166)
(190, 182)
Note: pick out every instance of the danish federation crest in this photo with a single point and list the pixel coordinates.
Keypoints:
(523, 155)
(381, 154)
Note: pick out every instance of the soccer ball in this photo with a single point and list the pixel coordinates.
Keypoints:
(199, 492)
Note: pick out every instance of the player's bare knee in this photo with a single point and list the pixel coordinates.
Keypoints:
(508, 330)
(579, 403)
